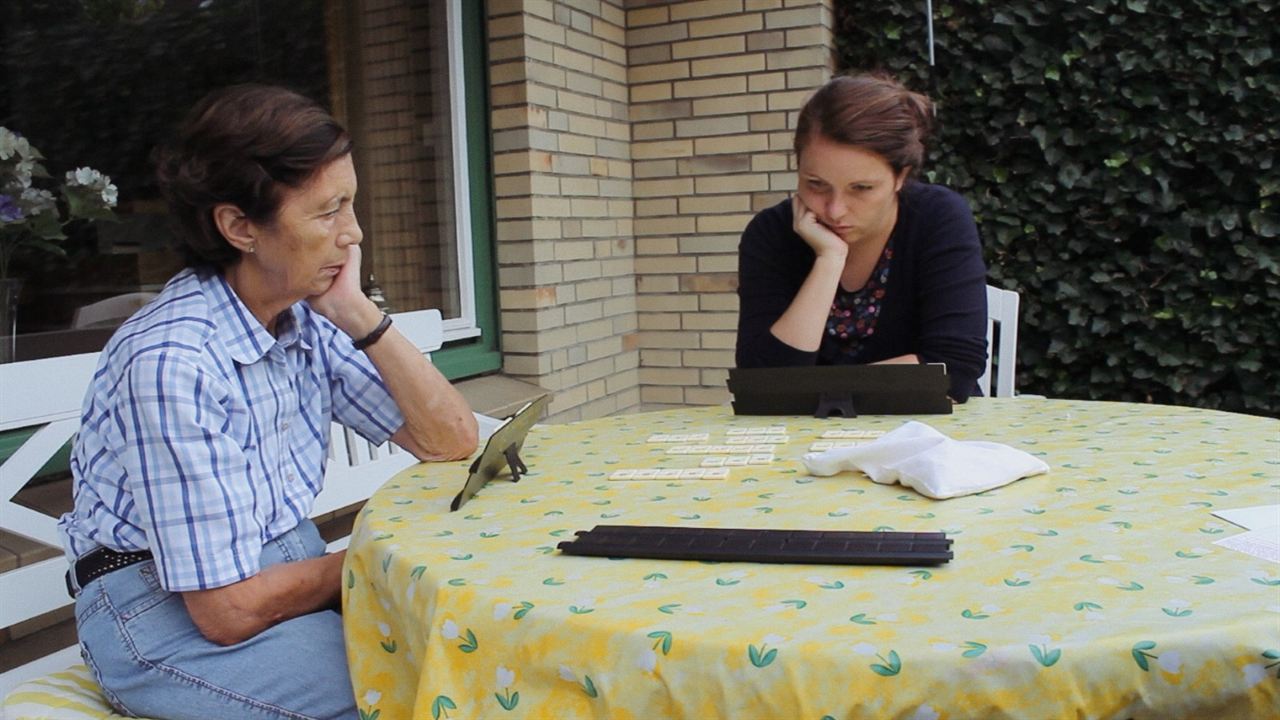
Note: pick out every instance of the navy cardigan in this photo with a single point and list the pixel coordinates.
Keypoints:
(935, 302)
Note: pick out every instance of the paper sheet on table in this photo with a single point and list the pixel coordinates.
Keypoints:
(1252, 518)
(1263, 543)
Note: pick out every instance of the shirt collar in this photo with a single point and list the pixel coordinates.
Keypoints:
(246, 340)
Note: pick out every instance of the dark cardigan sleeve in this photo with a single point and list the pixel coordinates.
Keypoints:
(772, 264)
(951, 309)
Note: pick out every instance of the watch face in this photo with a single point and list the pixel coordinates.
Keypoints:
(502, 452)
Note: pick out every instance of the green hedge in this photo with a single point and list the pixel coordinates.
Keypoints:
(1120, 156)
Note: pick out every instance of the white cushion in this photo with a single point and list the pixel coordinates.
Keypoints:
(71, 694)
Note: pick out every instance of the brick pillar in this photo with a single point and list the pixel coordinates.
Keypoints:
(715, 87)
(632, 143)
(562, 166)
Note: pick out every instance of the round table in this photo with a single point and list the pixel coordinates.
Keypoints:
(1095, 590)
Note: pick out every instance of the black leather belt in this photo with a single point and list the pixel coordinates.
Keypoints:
(100, 561)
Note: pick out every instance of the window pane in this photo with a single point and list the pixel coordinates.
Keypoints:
(99, 82)
(400, 113)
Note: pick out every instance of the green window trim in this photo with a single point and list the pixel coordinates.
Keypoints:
(476, 356)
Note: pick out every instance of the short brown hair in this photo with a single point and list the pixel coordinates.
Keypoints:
(241, 145)
(872, 111)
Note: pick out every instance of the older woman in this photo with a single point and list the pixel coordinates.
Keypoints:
(202, 589)
(863, 264)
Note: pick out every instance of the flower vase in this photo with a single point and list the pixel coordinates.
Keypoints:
(9, 289)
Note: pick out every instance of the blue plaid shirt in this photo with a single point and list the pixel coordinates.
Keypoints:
(203, 437)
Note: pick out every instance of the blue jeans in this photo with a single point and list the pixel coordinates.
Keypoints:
(151, 661)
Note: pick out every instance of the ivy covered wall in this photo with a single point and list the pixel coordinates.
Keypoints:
(1120, 156)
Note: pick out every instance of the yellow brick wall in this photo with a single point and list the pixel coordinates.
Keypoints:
(633, 141)
(565, 242)
(715, 86)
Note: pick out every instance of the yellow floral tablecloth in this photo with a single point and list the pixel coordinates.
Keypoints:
(1094, 591)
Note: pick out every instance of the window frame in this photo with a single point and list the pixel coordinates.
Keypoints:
(464, 356)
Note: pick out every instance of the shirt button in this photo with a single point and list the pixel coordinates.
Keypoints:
(291, 476)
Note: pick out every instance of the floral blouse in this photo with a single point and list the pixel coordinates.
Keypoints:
(854, 313)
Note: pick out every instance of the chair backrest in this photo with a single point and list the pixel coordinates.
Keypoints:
(111, 311)
(46, 395)
(1002, 341)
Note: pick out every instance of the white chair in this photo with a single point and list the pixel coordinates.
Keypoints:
(110, 312)
(1002, 316)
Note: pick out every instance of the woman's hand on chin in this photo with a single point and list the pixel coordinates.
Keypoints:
(345, 303)
(822, 239)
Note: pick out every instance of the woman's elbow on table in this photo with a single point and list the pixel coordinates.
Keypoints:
(452, 439)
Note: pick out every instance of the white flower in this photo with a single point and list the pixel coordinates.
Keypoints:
(1108, 581)
(449, 630)
(738, 574)
(864, 649)
(23, 171)
(924, 712)
(8, 143)
(1254, 673)
(84, 177)
(506, 678)
(110, 194)
(772, 639)
(372, 697)
(500, 610)
(11, 144)
(943, 647)
(647, 660)
(1175, 579)
(1094, 615)
(1170, 661)
(410, 591)
(888, 617)
(1178, 604)
(1039, 640)
(385, 629)
(991, 609)
(567, 674)
(38, 201)
(586, 602)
